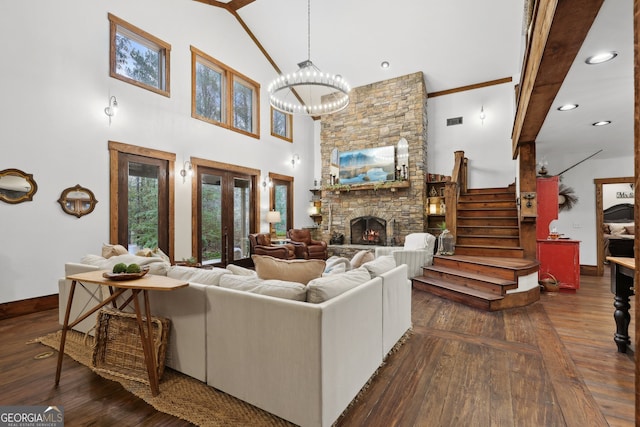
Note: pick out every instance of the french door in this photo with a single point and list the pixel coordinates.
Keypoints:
(225, 216)
(281, 200)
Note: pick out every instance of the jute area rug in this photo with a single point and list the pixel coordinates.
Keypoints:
(180, 395)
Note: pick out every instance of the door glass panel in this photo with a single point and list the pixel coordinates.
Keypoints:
(280, 194)
(143, 199)
(241, 217)
(211, 214)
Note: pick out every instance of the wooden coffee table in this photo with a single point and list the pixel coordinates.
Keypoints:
(116, 288)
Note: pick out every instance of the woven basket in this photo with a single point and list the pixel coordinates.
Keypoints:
(118, 347)
(550, 283)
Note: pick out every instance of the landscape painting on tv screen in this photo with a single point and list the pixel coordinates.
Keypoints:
(367, 165)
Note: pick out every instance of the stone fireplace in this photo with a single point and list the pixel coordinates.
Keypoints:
(378, 115)
(368, 230)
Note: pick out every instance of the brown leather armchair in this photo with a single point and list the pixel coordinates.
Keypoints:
(305, 246)
(260, 244)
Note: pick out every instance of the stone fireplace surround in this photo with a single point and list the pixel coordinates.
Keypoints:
(378, 115)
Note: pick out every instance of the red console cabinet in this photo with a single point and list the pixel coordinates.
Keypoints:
(560, 258)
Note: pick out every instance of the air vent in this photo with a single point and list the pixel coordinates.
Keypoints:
(454, 121)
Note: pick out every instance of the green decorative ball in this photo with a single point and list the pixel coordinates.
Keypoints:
(133, 268)
(120, 268)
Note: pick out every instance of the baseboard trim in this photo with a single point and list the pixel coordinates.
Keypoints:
(589, 270)
(28, 306)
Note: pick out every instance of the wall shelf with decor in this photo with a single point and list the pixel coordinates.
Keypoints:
(315, 208)
(436, 207)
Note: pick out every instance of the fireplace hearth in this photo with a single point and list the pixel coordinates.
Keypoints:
(368, 230)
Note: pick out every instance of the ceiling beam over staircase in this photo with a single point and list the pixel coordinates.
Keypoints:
(557, 32)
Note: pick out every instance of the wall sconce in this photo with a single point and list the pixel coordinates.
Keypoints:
(482, 115)
(187, 169)
(267, 183)
(273, 217)
(295, 159)
(112, 108)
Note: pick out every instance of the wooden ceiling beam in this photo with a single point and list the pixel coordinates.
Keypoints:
(558, 31)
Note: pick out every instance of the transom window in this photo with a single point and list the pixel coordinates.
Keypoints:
(281, 125)
(137, 57)
(222, 96)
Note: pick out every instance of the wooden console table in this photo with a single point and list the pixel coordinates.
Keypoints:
(117, 288)
(622, 272)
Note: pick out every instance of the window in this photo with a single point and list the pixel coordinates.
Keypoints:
(137, 57)
(281, 125)
(222, 96)
(281, 200)
(141, 198)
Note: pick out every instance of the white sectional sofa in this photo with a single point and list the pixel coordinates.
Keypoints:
(302, 361)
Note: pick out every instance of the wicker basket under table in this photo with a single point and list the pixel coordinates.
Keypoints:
(118, 347)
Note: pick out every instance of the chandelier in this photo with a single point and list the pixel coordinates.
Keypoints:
(326, 93)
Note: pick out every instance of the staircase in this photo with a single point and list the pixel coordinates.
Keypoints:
(488, 270)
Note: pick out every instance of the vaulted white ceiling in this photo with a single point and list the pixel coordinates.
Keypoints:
(458, 43)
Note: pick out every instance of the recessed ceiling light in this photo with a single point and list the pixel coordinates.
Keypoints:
(601, 123)
(384, 64)
(601, 57)
(567, 107)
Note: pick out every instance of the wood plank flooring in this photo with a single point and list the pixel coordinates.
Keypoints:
(553, 363)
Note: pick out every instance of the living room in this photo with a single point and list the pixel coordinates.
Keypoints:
(62, 65)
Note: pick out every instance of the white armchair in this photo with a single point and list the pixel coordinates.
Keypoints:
(417, 252)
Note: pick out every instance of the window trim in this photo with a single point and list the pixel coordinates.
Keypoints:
(165, 49)
(115, 148)
(229, 75)
(288, 125)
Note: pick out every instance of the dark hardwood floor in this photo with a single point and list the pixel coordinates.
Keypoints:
(553, 363)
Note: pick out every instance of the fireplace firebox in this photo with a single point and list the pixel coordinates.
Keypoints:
(368, 230)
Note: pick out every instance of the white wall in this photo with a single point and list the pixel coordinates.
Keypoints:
(55, 84)
(486, 144)
(580, 222)
(610, 193)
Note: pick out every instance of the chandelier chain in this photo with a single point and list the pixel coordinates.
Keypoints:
(309, 30)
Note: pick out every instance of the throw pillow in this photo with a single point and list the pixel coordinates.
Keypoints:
(619, 228)
(606, 229)
(109, 250)
(273, 288)
(144, 252)
(360, 258)
(240, 271)
(294, 270)
(631, 229)
(198, 275)
(334, 261)
(325, 288)
(380, 265)
(157, 252)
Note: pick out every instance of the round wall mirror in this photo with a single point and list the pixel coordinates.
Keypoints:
(16, 186)
(77, 201)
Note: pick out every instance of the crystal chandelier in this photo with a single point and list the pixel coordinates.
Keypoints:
(312, 84)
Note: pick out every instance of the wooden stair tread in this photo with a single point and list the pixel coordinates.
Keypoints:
(488, 236)
(461, 289)
(472, 276)
(499, 262)
(489, 247)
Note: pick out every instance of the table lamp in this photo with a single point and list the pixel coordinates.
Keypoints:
(273, 217)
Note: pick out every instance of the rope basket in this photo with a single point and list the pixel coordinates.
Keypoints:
(118, 347)
(549, 283)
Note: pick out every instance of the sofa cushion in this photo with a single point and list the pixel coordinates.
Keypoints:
(198, 275)
(275, 288)
(109, 250)
(380, 265)
(327, 287)
(156, 265)
(294, 270)
(240, 271)
(360, 258)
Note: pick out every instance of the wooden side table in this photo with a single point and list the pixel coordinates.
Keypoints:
(117, 288)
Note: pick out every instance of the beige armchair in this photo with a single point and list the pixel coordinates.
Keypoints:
(416, 253)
